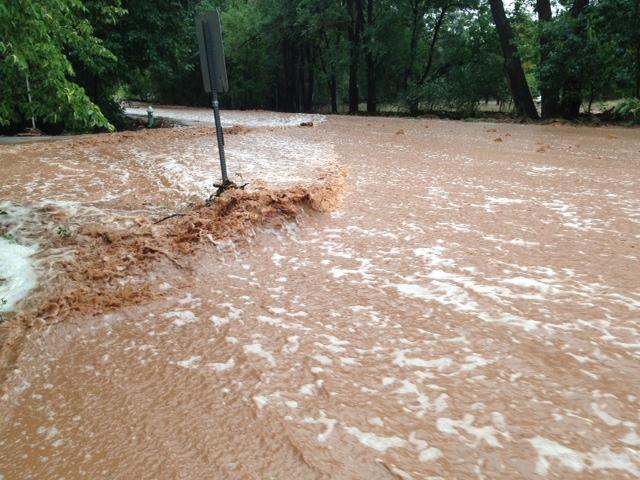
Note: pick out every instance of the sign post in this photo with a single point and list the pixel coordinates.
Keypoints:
(214, 77)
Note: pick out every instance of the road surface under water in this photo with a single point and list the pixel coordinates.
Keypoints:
(471, 311)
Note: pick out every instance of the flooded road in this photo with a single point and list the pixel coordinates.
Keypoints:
(472, 310)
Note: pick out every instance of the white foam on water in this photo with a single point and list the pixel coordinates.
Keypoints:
(402, 361)
(329, 424)
(631, 438)
(444, 293)
(322, 359)
(531, 283)
(273, 321)
(256, 349)
(473, 362)
(602, 459)
(376, 421)
(491, 202)
(439, 405)
(549, 449)
(234, 314)
(189, 362)
(293, 344)
(17, 276)
(222, 367)
(307, 390)
(261, 401)
(426, 453)
(605, 459)
(229, 118)
(363, 269)
(374, 441)
(433, 255)
(604, 416)
(486, 433)
(182, 317)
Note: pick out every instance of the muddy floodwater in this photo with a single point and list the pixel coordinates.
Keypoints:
(471, 309)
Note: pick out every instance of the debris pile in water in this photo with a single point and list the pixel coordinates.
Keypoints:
(110, 266)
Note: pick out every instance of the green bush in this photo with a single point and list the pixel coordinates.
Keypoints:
(628, 109)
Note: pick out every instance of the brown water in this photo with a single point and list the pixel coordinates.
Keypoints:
(471, 311)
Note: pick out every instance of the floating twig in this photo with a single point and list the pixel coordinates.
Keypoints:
(174, 215)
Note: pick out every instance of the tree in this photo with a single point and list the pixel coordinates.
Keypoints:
(517, 80)
(38, 40)
(572, 92)
(372, 95)
(323, 26)
(548, 90)
(356, 27)
(156, 48)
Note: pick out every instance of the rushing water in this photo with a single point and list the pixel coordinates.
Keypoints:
(472, 311)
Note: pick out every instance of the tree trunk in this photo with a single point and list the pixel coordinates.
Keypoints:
(413, 43)
(291, 93)
(372, 100)
(572, 90)
(636, 13)
(432, 45)
(329, 74)
(638, 72)
(307, 78)
(549, 92)
(355, 38)
(333, 89)
(517, 81)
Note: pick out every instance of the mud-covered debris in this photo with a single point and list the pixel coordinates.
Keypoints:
(543, 148)
(110, 264)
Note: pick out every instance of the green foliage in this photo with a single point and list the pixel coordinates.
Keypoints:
(83, 57)
(247, 54)
(38, 40)
(156, 48)
(592, 56)
(628, 109)
(9, 238)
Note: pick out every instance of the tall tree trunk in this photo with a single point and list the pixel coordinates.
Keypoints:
(307, 78)
(289, 95)
(302, 84)
(355, 38)
(413, 43)
(638, 72)
(636, 13)
(372, 98)
(333, 90)
(550, 93)
(572, 90)
(311, 80)
(432, 45)
(517, 81)
(330, 74)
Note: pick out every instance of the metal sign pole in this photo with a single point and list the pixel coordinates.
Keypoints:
(215, 104)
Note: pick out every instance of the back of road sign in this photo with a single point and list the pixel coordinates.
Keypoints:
(212, 62)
